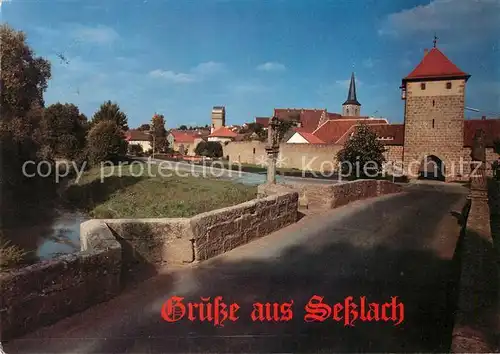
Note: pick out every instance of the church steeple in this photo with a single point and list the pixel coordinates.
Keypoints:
(351, 106)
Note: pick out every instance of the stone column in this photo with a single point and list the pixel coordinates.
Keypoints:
(272, 150)
(271, 167)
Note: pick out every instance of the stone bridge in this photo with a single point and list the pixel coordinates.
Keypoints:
(399, 245)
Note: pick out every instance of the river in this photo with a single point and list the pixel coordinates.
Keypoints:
(59, 234)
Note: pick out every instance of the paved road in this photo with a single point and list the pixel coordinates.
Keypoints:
(398, 245)
(237, 176)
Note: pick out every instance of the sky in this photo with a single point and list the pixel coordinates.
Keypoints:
(180, 58)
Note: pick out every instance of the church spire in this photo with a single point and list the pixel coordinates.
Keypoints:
(351, 96)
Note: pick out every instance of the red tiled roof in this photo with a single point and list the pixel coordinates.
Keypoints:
(435, 65)
(310, 137)
(180, 136)
(262, 120)
(333, 130)
(223, 132)
(136, 135)
(309, 118)
(491, 128)
(334, 115)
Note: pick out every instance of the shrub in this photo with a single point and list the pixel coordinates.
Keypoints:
(135, 149)
(10, 255)
(106, 142)
(209, 149)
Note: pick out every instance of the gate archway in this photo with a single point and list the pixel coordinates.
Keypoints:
(432, 168)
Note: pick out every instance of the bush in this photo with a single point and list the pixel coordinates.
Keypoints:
(135, 149)
(209, 149)
(10, 255)
(106, 142)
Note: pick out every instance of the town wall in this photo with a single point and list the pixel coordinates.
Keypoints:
(312, 157)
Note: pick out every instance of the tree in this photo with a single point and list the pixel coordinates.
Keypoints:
(23, 80)
(64, 130)
(106, 142)
(363, 153)
(284, 127)
(24, 76)
(258, 129)
(144, 127)
(209, 149)
(183, 127)
(111, 111)
(159, 132)
(496, 146)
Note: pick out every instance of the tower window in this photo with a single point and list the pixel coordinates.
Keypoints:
(422, 86)
(448, 85)
(433, 123)
(254, 151)
(433, 103)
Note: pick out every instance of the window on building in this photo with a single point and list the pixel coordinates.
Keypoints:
(422, 86)
(433, 123)
(433, 103)
(254, 151)
(448, 85)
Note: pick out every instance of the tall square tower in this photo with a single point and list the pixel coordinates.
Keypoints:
(434, 94)
(218, 118)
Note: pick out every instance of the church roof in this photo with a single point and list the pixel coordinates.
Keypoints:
(436, 65)
(351, 95)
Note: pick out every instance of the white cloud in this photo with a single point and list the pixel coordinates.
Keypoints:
(2, 1)
(197, 73)
(468, 20)
(271, 66)
(97, 34)
(208, 68)
(174, 77)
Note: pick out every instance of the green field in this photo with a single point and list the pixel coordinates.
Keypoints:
(123, 195)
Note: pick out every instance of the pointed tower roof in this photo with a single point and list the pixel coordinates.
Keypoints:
(351, 96)
(435, 65)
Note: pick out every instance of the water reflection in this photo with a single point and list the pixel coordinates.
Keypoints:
(51, 237)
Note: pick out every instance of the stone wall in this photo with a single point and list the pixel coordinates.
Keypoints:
(394, 153)
(329, 196)
(154, 242)
(221, 230)
(477, 312)
(310, 157)
(45, 292)
(251, 152)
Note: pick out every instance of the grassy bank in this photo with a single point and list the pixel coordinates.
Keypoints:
(125, 194)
